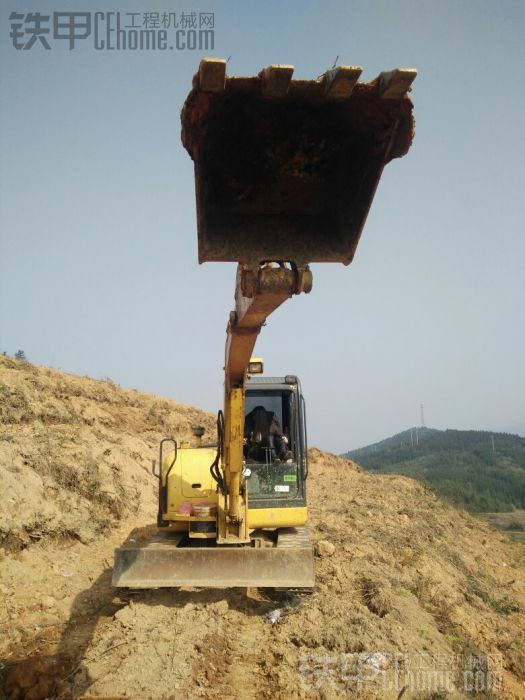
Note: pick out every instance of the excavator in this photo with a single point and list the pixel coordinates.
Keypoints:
(285, 173)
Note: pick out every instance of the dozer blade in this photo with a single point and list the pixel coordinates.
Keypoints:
(285, 169)
(163, 562)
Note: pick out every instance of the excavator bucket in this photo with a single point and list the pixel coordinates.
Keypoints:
(286, 169)
(165, 561)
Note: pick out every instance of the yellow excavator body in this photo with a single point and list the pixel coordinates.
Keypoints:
(285, 174)
(191, 483)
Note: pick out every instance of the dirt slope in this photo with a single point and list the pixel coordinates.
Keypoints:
(405, 584)
(76, 453)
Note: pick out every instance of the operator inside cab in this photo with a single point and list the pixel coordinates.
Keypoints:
(264, 440)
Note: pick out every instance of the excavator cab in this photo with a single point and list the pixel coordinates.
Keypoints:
(276, 478)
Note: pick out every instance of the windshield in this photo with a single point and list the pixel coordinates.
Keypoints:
(270, 449)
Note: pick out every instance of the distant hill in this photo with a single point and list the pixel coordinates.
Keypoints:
(479, 470)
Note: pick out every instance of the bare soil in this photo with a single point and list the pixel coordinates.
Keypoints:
(409, 591)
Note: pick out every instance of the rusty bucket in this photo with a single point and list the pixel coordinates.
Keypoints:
(287, 169)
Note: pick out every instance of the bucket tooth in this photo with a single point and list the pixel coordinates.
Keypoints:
(276, 80)
(395, 83)
(339, 82)
(212, 74)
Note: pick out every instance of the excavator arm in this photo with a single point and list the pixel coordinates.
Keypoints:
(258, 293)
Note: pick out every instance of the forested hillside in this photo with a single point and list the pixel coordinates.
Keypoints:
(478, 470)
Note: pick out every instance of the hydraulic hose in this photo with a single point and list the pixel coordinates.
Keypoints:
(215, 469)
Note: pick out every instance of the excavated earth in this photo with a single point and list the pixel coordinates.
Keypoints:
(413, 598)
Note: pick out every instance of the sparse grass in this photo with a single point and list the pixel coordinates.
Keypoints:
(404, 592)
(410, 556)
(514, 650)
(426, 632)
(505, 606)
(158, 416)
(65, 476)
(421, 589)
(431, 607)
(375, 596)
(14, 406)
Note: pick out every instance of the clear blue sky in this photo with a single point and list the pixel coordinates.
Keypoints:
(98, 244)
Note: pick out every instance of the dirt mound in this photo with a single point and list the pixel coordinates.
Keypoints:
(75, 453)
(412, 599)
